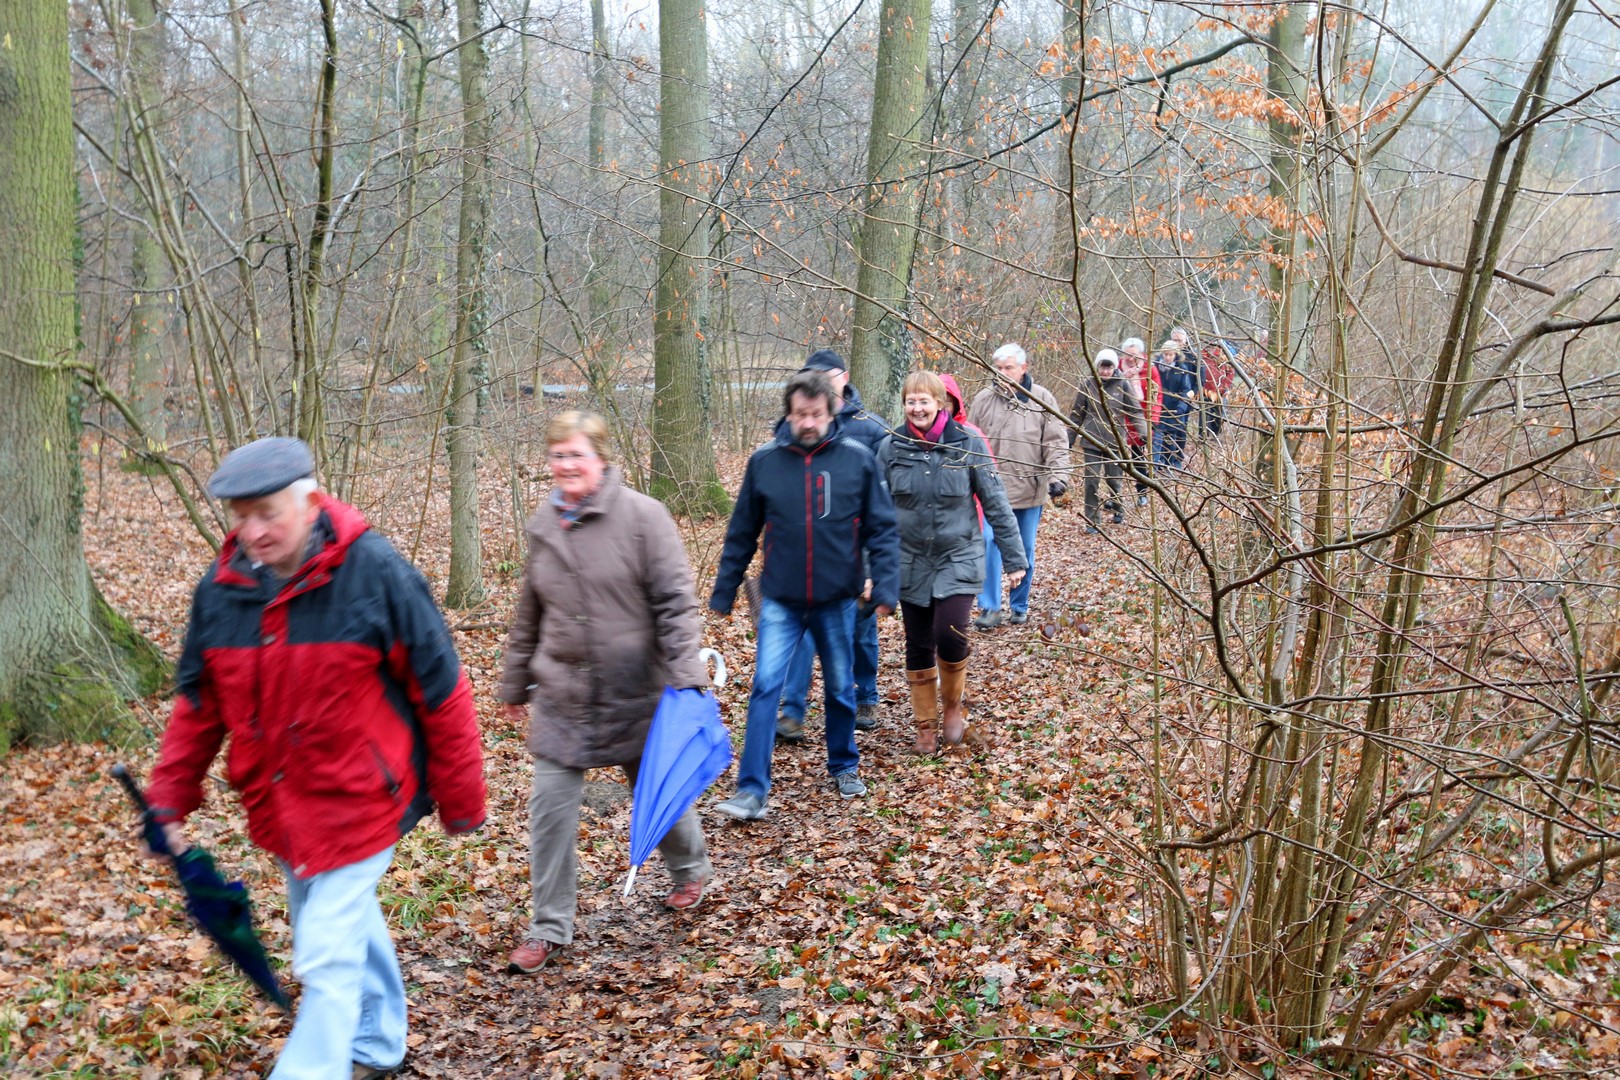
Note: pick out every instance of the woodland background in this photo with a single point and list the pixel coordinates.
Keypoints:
(1308, 767)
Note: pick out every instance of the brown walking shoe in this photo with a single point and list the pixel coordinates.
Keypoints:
(686, 896)
(531, 956)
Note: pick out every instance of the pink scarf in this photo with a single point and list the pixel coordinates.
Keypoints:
(935, 430)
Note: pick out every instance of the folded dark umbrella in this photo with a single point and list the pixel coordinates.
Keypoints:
(221, 908)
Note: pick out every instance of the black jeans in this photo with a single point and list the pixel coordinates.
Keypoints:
(940, 628)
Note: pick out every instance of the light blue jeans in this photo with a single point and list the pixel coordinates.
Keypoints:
(796, 692)
(990, 596)
(353, 1003)
(832, 628)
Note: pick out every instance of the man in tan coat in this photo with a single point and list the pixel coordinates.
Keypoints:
(1030, 441)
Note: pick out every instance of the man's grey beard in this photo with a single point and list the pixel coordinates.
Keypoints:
(810, 439)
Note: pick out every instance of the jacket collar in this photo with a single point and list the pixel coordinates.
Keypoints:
(1026, 386)
(953, 435)
(543, 522)
(339, 525)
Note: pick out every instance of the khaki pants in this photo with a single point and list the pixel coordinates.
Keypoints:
(554, 799)
(1101, 464)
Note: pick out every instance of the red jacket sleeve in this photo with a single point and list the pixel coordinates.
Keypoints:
(192, 738)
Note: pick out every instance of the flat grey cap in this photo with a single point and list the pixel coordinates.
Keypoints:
(261, 468)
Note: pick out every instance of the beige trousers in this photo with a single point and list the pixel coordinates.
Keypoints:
(555, 795)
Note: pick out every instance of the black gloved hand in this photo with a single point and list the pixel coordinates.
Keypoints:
(1056, 489)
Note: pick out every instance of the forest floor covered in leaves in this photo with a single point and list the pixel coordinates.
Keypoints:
(975, 915)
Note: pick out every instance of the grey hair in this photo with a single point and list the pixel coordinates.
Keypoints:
(304, 487)
(1133, 344)
(1182, 330)
(1010, 351)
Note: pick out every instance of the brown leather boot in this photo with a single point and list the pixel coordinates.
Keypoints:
(925, 707)
(952, 686)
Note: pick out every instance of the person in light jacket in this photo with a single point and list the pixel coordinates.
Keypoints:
(606, 618)
(1029, 439)
(938, 471)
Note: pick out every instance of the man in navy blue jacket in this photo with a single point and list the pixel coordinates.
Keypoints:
(820, 501)
(853, 422)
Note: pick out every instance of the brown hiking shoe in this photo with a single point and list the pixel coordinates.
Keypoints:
(531, 956)
(686, 895)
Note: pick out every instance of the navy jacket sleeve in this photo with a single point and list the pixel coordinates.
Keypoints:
(742, 539)
(423, 658)
(880, 537)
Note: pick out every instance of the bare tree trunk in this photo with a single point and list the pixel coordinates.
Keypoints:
(465, 587)
(683, 470)
(880, 347)
(311, 414)
(1287, 82)
(411, 82)
(599, 283)
(1075, 16)
(149, 315)
(66, 661)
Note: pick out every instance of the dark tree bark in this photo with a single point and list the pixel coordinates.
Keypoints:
(66, 661)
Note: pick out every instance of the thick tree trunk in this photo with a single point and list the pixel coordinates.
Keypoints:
(65, 659)
(880, 348)
(683, 466)
(466, 585)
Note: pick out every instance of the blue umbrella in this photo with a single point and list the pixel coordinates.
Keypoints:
(687, 750)
(220, 908)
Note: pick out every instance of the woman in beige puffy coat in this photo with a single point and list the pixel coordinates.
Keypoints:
(606, 618)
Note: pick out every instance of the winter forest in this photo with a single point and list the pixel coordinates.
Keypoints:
(1307, 768)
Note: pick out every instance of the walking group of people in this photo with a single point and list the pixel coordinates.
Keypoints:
(1148, 408)
(319, 653)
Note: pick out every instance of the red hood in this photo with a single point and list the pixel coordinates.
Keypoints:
(341, 521)
(958, 413)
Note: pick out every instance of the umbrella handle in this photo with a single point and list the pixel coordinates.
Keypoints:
(120, 773)
(705, 655)
(155, 838)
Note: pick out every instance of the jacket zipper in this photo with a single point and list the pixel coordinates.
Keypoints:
(809, 531)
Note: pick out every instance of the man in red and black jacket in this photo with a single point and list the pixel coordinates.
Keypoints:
(319, 652)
